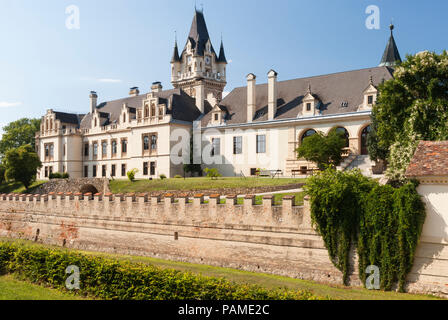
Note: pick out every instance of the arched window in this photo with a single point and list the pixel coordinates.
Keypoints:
(124, 117)
(153, 110)
(307, 134)
(345, 134)
(96, 122)
(364, 136)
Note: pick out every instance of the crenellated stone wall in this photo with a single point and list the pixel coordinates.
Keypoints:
(276, 239)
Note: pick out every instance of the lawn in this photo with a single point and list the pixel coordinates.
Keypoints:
(17, 187)
(125, 186)
(13, 289)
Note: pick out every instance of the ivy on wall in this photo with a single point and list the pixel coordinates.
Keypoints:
(383, 223)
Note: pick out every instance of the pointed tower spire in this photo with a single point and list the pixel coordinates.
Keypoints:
(175, 57)
(222, 55)
(391, 56)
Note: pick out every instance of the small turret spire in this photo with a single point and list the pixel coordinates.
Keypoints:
(175, 57)
(391, 56)
(222, 55)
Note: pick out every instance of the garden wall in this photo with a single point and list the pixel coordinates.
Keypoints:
(260, 238)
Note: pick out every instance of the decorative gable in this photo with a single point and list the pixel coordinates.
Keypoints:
(309, 104)
(370, 96)
(218, 116)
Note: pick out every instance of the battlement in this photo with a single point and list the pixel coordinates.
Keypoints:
(166, 209)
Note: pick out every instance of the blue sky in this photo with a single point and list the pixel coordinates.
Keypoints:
(121, 44)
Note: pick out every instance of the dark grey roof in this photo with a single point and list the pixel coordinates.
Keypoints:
(222, 56)
(199, 34)
(69, 118)
(391, 56)
(175, 57)
(182, 107)
(331, 90)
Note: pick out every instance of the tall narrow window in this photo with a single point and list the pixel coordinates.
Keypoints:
(237, 145)
(145, 168)
(95, 150)
(94, 171)
(153, 142)
(261, 143)
(369, 99)
(146, 143)
(113, 170)
(103, 171)
(114, 148)
(153, 169)
(124, 146)
(104, 149)
(86, 150)
(308, 106)
(123, 170)
(86, 171)
(216, 147)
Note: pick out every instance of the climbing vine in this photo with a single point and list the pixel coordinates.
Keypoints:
(383, 223)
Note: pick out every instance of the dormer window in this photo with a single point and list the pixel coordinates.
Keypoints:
(370, 100)
(370, 95)
(216, 116)
(308, 106)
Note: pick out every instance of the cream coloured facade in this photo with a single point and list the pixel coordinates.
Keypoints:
(258, 126)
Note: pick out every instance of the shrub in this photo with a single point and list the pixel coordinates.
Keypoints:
(58, 175)
(212, 173)
(162, 176)
(131, 174)
(178, 176)
(121, 280)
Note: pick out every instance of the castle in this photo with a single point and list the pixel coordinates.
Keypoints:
(256, 126)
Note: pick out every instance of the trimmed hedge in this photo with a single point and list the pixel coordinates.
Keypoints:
(111, 279)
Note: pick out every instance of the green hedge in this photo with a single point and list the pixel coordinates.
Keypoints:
(111, 279)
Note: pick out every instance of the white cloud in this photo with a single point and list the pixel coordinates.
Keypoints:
(6, 104)
(109, 80)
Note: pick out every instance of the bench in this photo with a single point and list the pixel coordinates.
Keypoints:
(270, 173)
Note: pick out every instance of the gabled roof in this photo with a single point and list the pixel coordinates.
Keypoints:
(179, 104)
(430, 159)
(69, 118)
(337, 93)
(391, 56)
(199, 34)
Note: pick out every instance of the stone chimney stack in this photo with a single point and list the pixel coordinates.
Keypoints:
(251, 97)
(200, 97)
(134, 92)
(272, 94)
(156, 87)
(93, 101)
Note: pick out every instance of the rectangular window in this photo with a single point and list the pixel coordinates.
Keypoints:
(370, 100)
(50, 170)
(216, 116)
(65, 151)
(113, 169)
(237, 145)
(216, 147)
(51, 150)
(261, 143)
(104, 149)
(153, 142)
(145, 168)
(124, 146)
(153, 168)
(123, 170)
(86, 171)
(95, 150)
(47, 151)
(63, 169)
(308, 107)
(86, 150)
(46, 172)
(94, 171)
(114, 148)
(145, 143)
(103, 170)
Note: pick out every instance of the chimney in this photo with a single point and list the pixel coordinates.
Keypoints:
(272, 94)
(156, 87)
(134, 92)
(93, 101)
(251, 97)
(200, 97)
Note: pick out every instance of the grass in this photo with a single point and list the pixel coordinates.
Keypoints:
(277, 199)
(17, 187)
(337, 292)
(125, 186)
(13, 289)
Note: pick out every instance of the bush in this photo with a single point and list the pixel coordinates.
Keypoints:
(178, 176)
(121, 280)
(162, 176)
(384, 223)
(212, 173)
(131, 174)
(58, 175)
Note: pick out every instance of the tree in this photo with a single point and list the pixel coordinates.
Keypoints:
(19, 133)
(323, 150)
(21, 164)
(412, 106)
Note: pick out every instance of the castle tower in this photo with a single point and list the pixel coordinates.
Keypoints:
(199, 71)
(391, 56)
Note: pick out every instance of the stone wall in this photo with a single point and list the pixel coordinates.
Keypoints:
(72, 185)
(261, 238)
